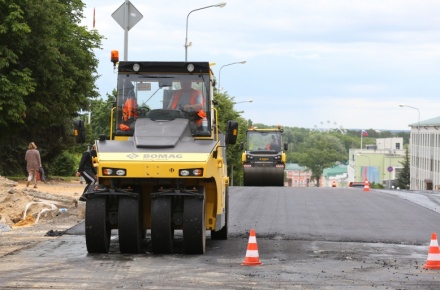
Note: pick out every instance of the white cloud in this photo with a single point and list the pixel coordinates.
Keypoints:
(350, 62)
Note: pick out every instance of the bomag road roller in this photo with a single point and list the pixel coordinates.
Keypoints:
(163, 167)
(264, 158)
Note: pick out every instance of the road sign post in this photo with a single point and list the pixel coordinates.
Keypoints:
(127, 16)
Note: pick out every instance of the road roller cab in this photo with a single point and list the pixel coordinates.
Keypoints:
(163, 167)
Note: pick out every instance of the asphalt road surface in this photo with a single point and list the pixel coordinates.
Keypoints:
(308, 238)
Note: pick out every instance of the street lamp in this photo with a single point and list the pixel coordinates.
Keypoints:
(83, 113)
(248, 101)
(418, 145)
(369, 164)
(221, 5)
(220, 71)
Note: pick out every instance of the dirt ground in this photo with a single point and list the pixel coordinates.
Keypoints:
(29, 215)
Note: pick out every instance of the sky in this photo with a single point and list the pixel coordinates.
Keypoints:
(309, 63)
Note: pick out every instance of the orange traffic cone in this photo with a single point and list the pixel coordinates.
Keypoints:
(366, 185)
(252, 258)
(433, 261)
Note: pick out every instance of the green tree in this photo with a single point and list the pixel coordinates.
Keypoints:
(100, 116)
(47, 73)
(226, 112)
(295, 136)
(403, 180)
(15, 79)
(319, 151)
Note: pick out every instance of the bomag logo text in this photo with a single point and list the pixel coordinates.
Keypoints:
(162, 156)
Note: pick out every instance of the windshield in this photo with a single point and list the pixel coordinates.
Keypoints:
(263, 141)
(162, 97)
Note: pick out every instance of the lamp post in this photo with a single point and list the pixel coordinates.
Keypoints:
(221, 5)
(390, 153)
(248, 101)
(418, 145)
(369, 164)
(83, 113)
(220, 71)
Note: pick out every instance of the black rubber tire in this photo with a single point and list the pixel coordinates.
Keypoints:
(130, 226)
(223, 233)
(194, 229)
(162, 232)
(97, 227)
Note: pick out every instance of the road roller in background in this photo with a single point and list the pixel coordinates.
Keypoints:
(163, 167)
(264, 157)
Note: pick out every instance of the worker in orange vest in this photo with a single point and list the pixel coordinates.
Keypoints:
(186, 98)
(189, 100)
(129, 112)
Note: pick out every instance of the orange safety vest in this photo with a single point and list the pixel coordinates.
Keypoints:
(178, 94)
(129, 109)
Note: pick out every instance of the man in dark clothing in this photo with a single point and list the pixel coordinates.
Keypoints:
(86, 170)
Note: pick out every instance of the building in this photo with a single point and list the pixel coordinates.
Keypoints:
(379, 163)
(335, 175)
(297, 176)
(425, 154)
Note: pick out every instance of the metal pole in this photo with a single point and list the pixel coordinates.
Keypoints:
(389, 174)
(220, 71)
(248, 101)
(127, 14)
(417, 159)
(221, 5)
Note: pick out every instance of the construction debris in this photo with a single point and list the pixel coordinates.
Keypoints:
(23, 207)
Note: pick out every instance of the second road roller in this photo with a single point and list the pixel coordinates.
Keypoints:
(264, 157)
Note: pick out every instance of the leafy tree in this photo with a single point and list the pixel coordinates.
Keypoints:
(319, 151)
(100, 115)
(403, 180)
(226, 112)
(47, 73)
(15, 79)
(295, 136)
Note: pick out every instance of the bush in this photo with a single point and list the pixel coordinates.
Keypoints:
(376, 185)
(65, 164)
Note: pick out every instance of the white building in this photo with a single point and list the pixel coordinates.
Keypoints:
(395, 143)
(425, 154)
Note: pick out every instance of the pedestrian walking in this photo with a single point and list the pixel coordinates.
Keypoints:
(33, 166)
(86, 170)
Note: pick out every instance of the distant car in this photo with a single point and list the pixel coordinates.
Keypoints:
(356, 184)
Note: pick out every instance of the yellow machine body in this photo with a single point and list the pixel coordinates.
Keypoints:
(163, 167)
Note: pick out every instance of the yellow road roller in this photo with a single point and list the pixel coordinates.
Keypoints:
(264, 157)
(163, 167)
